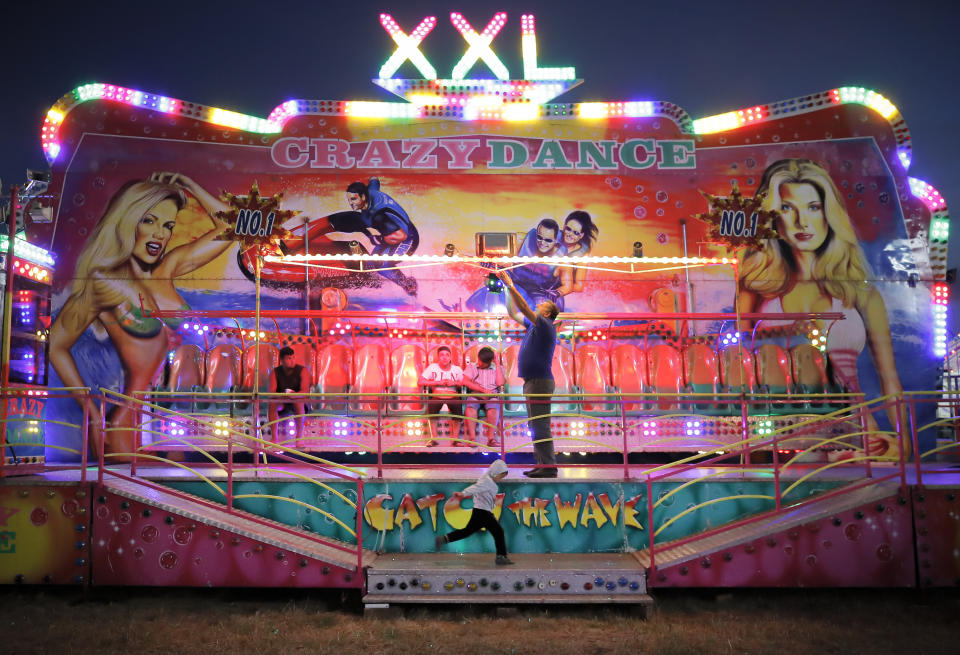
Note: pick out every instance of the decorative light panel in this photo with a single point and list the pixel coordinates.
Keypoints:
(408, 47)
(479, 46)
(842, 95)
(26, 251)
(528, 44)
(594, 259)
(215, 115)
(930, 196)
(939, 225)
(941, 298)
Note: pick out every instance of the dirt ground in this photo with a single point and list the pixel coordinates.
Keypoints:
(184, 621)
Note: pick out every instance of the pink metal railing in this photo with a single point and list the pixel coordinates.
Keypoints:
(684, 403)
(774, 443)
(231, 470)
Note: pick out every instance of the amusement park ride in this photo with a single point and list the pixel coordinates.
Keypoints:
(717, 417)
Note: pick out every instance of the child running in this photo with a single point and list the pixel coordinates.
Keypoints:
(484, 492)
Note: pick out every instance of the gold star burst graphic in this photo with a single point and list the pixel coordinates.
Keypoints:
(255, 220)
(737, 221)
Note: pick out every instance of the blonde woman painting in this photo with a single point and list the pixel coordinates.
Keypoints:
(816, 265)
(126, 261)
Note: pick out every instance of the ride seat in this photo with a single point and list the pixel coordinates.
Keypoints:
(701, 373)
(593, 377)
(223, 373)
(256, 372)
(665, 373)
(773, 374)
(186, 374)
(629, 374)
(514, 385)
(370, 377)
(737, 374)
(406, 364)
(334, 374)
(564, 384)
(810, 373)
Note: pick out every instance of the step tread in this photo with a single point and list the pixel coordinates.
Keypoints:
(419, 562)
(510, 599)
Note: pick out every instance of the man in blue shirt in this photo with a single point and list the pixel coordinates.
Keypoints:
(535, 366)
(539, 282)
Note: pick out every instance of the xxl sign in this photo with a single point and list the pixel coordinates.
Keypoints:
(480, 49)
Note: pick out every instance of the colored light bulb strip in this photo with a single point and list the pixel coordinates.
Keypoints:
(862, 96)
(939, 229)
(238, 121)
(32, 271)
(428, 99)
(520, 112)
(99, 91)
(528, 44)
(363, 109)
(930, 196)
(479, 49)
(27, 251)
(408, 47)
(941, 299)
(941, 293)
(528, 26)
(500, 260)
(608, 109)
(940, 331)
(804, 104)
(284, 111)
(730, 120)
(903, 152)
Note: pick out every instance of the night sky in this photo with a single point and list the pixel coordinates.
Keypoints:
(707, 57)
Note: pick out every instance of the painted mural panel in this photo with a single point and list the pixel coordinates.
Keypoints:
(537, 517)
(142, 217)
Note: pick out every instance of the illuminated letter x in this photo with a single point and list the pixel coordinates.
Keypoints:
(479, 46)
(407, 47)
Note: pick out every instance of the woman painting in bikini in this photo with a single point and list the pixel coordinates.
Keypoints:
(816, 265)
(124, 263)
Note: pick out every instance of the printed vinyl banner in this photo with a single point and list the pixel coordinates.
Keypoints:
(537, 517)
(138, 226)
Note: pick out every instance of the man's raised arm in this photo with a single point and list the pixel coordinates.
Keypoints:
(518, 300)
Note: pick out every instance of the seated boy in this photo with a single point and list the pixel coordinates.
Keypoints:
(489, 377)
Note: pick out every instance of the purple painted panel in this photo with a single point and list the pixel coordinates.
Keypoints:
(137, 544)
(870, 546)
(937, 525)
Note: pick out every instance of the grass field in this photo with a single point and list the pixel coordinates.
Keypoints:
(144, 621)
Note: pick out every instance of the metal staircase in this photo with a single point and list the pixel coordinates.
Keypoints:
(196, 541)
(808, 544)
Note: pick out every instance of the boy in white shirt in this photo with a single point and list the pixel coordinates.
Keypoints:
(443, 378)
(484, 492)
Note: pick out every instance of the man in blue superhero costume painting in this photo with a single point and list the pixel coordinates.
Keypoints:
(379, 217)
(385, 222)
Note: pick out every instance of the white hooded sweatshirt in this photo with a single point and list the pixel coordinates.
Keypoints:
(484, 490)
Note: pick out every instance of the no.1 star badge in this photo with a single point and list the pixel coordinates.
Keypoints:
(255, 220)
(737, 221)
